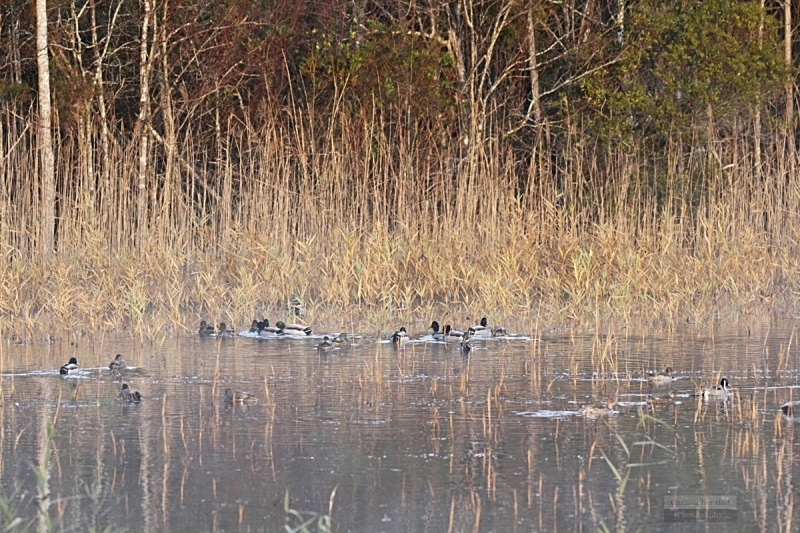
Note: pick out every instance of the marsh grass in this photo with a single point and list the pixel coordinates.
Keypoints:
(629, 460)
(10, 512)
(379, 231)
(307, 521)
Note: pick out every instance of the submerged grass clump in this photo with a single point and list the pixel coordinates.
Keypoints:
(306, 521)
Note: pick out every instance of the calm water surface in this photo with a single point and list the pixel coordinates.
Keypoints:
(418, 439)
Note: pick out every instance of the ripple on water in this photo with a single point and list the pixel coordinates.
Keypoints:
(398, 434)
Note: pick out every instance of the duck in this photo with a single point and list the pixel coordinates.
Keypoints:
(129, 395)
(596, 411)
(325, 345)
(789, 407)
(224, 331)
(480, 330)
(662, 378)
(466, 347)
(499, 331)
(238, 396)
(400, 337)
(662, 400)
(720, 392)
(255, 326)
(265, 330)
(297, 308)
(292, 329)
(437, 335)
(117, 364)
(341, 338)
(452, 335)
(70, 368)
(206, 329)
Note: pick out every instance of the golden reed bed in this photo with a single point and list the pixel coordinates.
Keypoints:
(365, 230)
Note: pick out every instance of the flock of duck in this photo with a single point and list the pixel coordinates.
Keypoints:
(127, 395)
(717, 392)
(263, 329)
(400, 338)
(116, 366)
(464, 338)
(720, 392)
(450, 335)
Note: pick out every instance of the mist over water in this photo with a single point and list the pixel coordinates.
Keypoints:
(415, 439)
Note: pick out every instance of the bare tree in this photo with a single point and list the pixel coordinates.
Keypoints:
(101, 48)
(787, 57)
(144, 131)
(48, 186)
(757, 114)
(533, 65)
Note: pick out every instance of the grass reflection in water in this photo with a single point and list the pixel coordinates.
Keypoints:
(370, 437)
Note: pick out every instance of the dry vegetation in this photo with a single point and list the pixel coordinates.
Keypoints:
(543, 161)
(365, 227)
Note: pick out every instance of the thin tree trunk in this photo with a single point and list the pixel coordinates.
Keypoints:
(169, 127)
(787, 57)
(107, 195)
(48, 210)
(536, 103)
(104, 184)
(757, 118)
(537, 156)
(621, 21)
(144, 133)
(757, 142)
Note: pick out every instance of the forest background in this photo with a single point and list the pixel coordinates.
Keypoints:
(575, 161)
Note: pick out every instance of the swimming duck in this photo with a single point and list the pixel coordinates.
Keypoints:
(292, 329)
(129, 395)
(400, 337)
(437, 335)
(720, 392)
(265, 330)
(499, 331)
(224, 331)
(341, 338)
(254, 327)
(117, 365)
(452, 335)
(789, 407)
(596, 411)
(325, 345)
(662, 378)
(662, 400)
(238, 396)
(70, 367)
(466, 347)
(206, 329)
(480, 330)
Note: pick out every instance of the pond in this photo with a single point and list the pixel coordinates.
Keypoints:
(368, 437)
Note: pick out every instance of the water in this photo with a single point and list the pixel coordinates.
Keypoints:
(418, 439)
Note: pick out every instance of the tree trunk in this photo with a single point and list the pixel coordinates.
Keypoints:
(104, 182)
(167, 204)
(787, 49)
(47, 180)
(536, 104)
(621, 22)
(144, 132)
(757, 119)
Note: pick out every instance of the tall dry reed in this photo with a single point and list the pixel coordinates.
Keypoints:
(383, 223)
